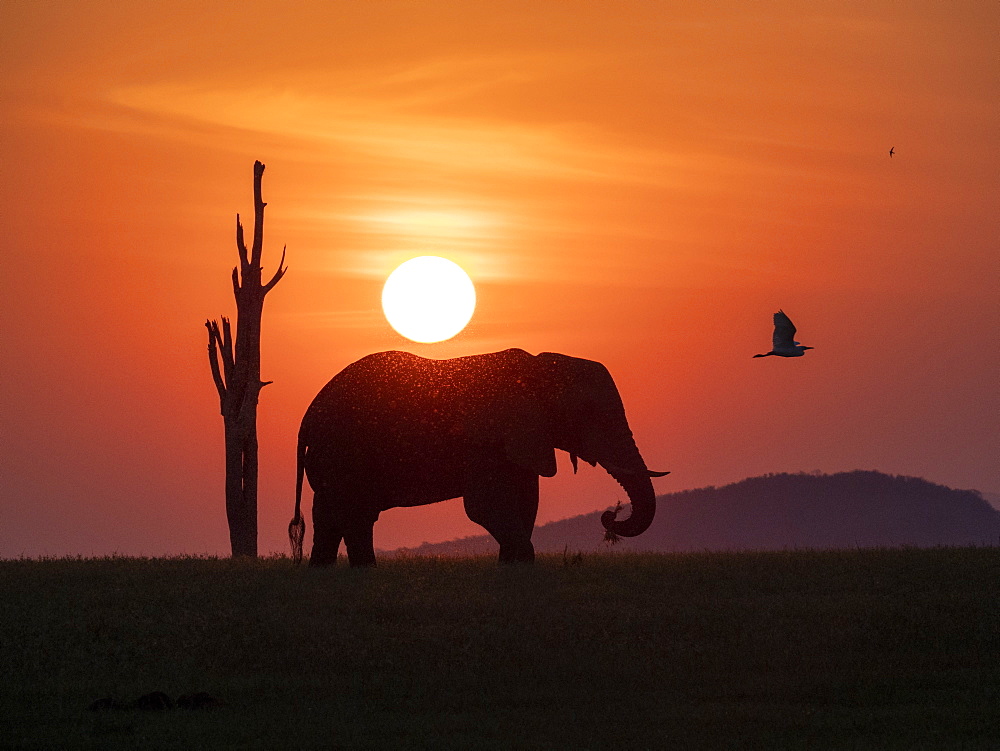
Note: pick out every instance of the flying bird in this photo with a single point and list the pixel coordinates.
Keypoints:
(892, 151)
(783, 342)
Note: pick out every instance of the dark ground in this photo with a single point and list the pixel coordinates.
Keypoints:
(847, 649)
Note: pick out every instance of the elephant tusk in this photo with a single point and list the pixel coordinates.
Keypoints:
(617, 471)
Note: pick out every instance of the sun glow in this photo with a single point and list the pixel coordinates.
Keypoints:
(428, 299)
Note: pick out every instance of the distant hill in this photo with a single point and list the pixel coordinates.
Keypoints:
(780, 511)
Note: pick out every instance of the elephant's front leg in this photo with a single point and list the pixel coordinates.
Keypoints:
(502, 497)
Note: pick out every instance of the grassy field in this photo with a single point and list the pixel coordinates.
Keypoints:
(855, 650)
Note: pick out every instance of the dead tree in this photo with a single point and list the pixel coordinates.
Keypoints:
(237, 378)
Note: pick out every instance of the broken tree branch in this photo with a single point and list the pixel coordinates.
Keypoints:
(213, 359)
(258, 216)
(240, 245)
(277, 274)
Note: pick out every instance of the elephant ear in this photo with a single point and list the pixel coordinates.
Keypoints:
(526, 439)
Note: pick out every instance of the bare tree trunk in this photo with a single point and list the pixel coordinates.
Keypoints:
(236, 372)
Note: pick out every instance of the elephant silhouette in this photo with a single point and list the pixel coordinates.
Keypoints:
(394, 429)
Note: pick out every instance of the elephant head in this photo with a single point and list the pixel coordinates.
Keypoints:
(582, 414)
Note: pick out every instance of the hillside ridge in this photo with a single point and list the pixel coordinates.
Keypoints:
(776, 511)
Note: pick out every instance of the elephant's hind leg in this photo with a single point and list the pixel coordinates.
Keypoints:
(327, 532)
(326, 547)
(359, 539)
(504, 500)
(334, 520)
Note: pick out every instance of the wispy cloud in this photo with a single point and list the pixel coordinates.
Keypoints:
(402, 117)
(422, 168)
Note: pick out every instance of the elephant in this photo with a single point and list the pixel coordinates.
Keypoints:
(394, 429)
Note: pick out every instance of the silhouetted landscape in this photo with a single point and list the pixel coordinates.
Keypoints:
(845, 649)
(858, 509)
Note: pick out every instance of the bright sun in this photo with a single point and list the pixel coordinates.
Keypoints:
(428, 299)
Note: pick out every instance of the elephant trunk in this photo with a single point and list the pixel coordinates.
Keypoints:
(640, 494)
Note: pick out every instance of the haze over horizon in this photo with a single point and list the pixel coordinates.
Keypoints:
(644, 188)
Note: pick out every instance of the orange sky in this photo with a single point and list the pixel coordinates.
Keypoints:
(638, 183)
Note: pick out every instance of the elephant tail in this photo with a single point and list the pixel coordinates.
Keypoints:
(297, 526)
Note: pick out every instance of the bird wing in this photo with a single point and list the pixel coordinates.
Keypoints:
(784, 331)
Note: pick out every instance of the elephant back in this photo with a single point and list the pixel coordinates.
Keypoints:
(389, 406)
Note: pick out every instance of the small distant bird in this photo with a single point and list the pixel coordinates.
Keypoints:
(783, 342)
(892, 151)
